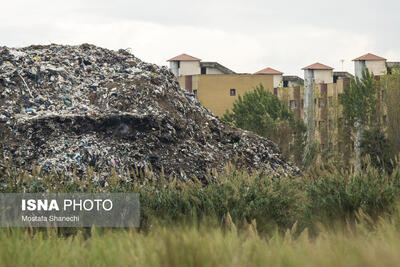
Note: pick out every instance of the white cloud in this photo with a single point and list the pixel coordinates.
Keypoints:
(277, 41)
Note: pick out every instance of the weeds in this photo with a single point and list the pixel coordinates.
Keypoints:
(323, 196)
(328, 217)
(205, 245)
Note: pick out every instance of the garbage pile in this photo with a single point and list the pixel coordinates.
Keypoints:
(68, 108)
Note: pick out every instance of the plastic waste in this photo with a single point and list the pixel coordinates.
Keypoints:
(68, 108)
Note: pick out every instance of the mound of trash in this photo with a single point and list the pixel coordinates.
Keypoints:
(74, 108)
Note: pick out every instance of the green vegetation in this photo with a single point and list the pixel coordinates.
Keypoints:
(358, 245)
(263, 113)
(391, 94)
(378, 147)
(359, 99)
(368, 127)
(329, 217)
(323, 195)
(359, 109)
(371, 121)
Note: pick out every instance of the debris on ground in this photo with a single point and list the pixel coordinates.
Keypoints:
(69, 108)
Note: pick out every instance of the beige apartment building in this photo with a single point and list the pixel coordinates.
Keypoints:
(217, 87)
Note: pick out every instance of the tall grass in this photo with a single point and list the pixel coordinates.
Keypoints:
(327, 217)
(358, 245)
(323, 196)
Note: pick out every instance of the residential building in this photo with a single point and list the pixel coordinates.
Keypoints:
(314, 99)
(215, 86)
(375, 64)
(292, 80)
(275, 74)
(184, 65)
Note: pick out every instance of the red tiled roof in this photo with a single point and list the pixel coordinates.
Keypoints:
(317, 66)
(184, 57)
(369, 57)
(269, 71)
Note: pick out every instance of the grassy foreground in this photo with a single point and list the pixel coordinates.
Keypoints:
(192, 246)
(329, 217)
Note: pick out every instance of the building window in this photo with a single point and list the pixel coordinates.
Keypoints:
(179, 64)
(203, 70)
(233, 92)
(285, 84)
(292, 104)
(195, 93)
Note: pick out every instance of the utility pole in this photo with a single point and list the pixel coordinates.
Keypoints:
(342, 61)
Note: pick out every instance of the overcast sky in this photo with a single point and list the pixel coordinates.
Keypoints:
(245, 36)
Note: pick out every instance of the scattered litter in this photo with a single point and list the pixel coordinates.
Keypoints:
(73, 107)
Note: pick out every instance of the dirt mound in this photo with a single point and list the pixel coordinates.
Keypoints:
(74, 107)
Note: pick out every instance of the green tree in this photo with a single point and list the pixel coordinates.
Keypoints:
(391, 95)
(359, 108)
(263, 113)
(375, 145)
